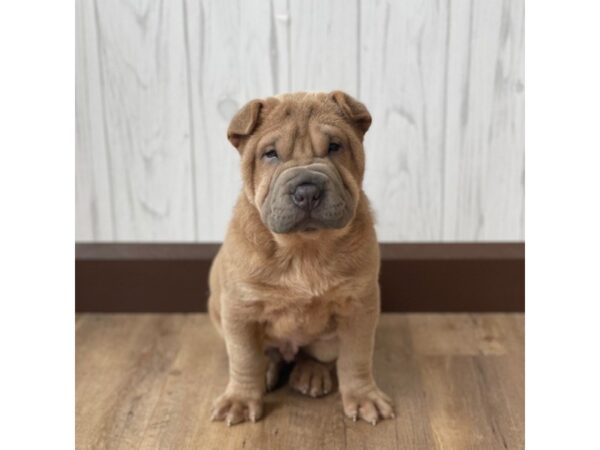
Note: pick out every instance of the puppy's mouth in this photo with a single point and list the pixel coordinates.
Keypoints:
(308, 225)
(291, 220)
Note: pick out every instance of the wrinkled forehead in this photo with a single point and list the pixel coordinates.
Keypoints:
(300, 108)
(293, 117)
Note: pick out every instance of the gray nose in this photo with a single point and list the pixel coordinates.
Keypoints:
(306, 196)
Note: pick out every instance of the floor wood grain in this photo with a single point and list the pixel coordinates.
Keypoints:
(147, 381)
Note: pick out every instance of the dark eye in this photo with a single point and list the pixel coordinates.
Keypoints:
(271, 154)
(333, 147)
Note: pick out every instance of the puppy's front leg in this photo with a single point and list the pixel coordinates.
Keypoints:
(242, 399)
(361, 397)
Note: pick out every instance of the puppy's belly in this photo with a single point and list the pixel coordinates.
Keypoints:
(288, 332)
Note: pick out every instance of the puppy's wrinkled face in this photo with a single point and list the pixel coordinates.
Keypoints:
(302, 159)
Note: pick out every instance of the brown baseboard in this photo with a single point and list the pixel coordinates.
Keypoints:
(419, 277)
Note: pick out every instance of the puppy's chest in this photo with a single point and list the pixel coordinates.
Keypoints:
(300, 305)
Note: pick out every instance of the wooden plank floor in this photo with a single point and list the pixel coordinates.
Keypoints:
(148, 380)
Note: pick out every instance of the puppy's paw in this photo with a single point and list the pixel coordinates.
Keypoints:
(273, 369)
(369, 404)
(272, 375)
(234, 409)
(311, 377)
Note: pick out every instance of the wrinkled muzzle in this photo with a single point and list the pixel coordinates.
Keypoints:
(307, 198)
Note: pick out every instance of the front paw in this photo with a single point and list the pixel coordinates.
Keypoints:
(235, 408)
(369, 404)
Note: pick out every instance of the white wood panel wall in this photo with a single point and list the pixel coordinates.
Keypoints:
(157, 83)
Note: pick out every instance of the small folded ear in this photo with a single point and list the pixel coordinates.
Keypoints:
(354, 110)
(244, 122)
